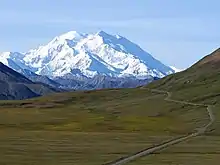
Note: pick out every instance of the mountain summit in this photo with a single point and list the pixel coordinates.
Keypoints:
(88, 55)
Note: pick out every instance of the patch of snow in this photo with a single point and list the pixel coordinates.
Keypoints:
(176, 69)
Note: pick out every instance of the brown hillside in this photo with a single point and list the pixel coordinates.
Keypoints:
(211, 59)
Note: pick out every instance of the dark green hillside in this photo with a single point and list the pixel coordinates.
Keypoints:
(199, 83)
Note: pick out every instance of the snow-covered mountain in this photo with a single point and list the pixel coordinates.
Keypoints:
(88, 55)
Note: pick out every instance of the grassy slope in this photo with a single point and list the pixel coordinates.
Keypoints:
(200, 83)
(90, 127)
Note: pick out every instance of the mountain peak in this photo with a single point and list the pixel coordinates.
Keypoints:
(103, 34)
(107, 35)
(88, 55)
(71, 35)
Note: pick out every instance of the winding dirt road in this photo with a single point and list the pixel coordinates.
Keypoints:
(148, 151)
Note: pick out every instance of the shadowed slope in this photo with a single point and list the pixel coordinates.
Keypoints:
(14, 86)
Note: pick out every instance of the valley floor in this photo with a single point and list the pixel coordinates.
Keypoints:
(101, 126)
(203, 150)
(67, 148)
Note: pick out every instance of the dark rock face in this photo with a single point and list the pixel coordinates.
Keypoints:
(15, 86)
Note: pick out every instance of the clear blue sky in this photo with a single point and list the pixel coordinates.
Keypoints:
(177, 32)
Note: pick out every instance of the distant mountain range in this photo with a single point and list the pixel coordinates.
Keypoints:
(15, 86)
(88, 61)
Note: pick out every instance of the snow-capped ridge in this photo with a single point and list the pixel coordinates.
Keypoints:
(72, 35)
(88, 55)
